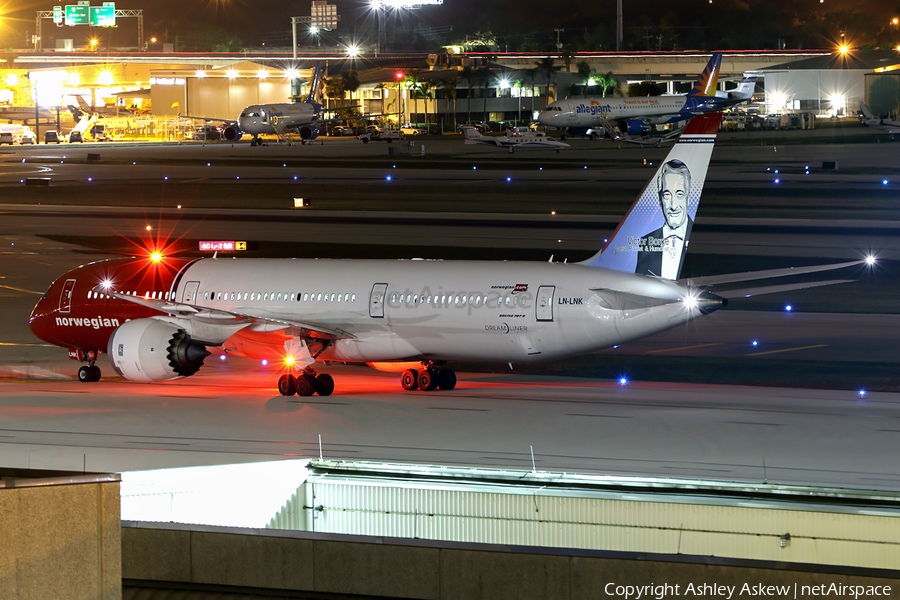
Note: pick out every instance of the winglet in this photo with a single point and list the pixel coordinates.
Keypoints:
(653, 236)
(708, 80)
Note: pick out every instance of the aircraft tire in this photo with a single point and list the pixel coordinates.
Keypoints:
(365, 141)
(305, 384)
(427, 381)
(95, 373)
(446, 379)
(324, 384)
(85, 374)
(286, 386)
(409, 380)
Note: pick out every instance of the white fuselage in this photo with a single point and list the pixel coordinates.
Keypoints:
(260, 119)
(590, 112)
(414, 310)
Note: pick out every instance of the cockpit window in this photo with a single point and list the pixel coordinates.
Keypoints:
(249, 114)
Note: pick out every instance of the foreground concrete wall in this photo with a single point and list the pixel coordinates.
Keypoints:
(400, 568)
(60, 541)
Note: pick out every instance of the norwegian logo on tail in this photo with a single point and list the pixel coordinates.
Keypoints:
(654, 235)
(709, 79)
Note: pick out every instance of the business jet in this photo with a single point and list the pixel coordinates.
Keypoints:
(279, 119)
(870, 120)
(635, 116)
(100, 111)
(512, 140)
(158, 317)
(25, 114)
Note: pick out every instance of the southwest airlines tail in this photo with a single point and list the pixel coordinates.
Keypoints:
(709, 79)
(654, 235)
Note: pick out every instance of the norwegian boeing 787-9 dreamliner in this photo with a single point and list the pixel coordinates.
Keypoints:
(155, 317)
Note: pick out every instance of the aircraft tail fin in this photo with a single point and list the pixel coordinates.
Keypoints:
(708, 80)
(746, 88)
(867, 114)
(654, 235)
(314, 83)
(470, 133)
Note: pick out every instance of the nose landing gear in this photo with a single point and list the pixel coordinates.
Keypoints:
(90, 371)
(428, 379)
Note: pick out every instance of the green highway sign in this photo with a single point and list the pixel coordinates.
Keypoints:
(77, 14)
(104, 16)
(57, 14)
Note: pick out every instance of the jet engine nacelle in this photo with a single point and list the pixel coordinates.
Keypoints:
(308, 132)
(632, 126)
(152, 350)
(232, 133)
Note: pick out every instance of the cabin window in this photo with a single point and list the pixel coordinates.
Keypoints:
(279, 296)
(266, 297)
(292, 296)
(339, 297)
(245, 295)
(218, 295)
(443, 298)
(477, 300)
(306, 297)
(319, 298)
(353, 298)
(326, 297)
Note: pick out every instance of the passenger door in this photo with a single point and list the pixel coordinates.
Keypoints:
(543, 305)
(65, 298)
(376, 300)
(190, 292)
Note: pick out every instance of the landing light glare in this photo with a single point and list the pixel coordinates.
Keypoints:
(156, 257)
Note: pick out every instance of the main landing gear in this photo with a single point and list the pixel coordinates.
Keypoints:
(306, 383)
(89, 372)
(431, 377)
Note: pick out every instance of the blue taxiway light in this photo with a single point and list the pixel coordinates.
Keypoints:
(90, 178)
(238, 176)
(295, 178)
(776, 171)
(21, 181)
(788, 308)
(777, 181)
(862, 393)
(23, 160)
(207, 164)
(134, 163)
(755, 343)
(166, 177)
(221, 357)
(509, 178)
(265, 362)
(388, 178)
(884, 182)
(473, 168)
(623, 381)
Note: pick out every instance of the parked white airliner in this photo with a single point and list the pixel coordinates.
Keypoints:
(278, 119)
(157, 318)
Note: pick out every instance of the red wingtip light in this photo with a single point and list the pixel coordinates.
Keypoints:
(156, 257)
(288, 360)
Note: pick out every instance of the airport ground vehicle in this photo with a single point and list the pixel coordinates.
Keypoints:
(380, 136)
(75, 136)
(51, 137)
(27, 138)
(6, 138)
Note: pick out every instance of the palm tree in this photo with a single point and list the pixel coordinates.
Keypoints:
(605, 81)
(484, 78)
(351, 82)
(448, 86)
(468, 73)
(548, 66)
(567, 56)
(426, 91)
(532, 75)
(381, 87)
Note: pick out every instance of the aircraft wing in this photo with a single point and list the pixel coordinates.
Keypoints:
(208, 119)
(714, 280)
(774, 289)
(212, 315)
(892, 129)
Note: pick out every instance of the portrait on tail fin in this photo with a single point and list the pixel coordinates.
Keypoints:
(661, 252)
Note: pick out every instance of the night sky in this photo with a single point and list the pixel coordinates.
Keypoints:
(257, 20)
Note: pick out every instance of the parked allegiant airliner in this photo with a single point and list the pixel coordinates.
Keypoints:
(635, 115)
(157, 317)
